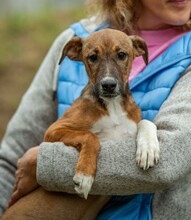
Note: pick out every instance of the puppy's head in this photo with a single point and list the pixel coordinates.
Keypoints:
(108, 56)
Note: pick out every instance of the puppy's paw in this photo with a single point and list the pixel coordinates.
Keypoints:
(148, 150)
(83, 184)
(147, 155)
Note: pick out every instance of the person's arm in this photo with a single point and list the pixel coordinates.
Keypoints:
(36, 112)
(117, 172)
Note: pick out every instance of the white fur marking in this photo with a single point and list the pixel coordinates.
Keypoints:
(83, 184)
(116, 124)
(107, 71)
(147, 145)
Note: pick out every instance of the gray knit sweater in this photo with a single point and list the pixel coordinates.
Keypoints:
(117, 172)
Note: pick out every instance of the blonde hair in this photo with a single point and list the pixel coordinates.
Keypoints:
(122, 14)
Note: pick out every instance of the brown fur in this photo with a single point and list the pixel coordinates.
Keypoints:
(74, 126)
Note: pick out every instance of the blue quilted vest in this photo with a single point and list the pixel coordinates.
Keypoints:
(149, 89)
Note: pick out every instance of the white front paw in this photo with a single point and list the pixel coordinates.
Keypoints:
(83, 184)
(147, 155)
(148, 150)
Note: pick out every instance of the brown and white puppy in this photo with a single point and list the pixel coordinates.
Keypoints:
(105, 110)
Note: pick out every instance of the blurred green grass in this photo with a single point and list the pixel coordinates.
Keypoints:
(24, 41)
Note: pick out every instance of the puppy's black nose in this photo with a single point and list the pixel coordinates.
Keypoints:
(108, 85)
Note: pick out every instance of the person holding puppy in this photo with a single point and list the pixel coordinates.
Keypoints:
(162, 91)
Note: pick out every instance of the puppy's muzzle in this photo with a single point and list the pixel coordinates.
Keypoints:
(109, 87)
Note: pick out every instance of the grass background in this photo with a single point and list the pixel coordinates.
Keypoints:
(25, 40)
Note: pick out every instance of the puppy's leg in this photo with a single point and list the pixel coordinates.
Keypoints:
(86, 166)
(88, 145)
(147, 145)
(44, 205)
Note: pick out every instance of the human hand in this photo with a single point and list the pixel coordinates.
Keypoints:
(25, 175)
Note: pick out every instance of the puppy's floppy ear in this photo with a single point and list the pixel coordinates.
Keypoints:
(72, 49)
(140, 47)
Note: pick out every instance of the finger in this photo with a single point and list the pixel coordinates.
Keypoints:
(15, 188)
(19, 162)
(15, 196)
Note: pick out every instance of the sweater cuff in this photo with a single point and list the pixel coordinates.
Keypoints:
(52, 158)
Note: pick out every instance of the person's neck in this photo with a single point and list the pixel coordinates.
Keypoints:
(152, 26)
(144, 24)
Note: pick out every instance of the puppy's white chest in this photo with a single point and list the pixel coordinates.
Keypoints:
(115, 125)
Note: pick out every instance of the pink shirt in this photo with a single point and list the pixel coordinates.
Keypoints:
(157, 42)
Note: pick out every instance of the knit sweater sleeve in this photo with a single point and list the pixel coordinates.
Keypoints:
(117, 172)
(36, 112)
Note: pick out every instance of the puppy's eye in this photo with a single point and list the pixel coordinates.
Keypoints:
(121, 55)
(93, 58)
